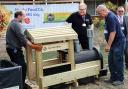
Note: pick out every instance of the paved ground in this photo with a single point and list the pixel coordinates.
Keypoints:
(100, 84)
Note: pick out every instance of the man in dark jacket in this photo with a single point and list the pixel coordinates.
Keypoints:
(80, 22)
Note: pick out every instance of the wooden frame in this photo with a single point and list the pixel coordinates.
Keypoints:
(52, 40)
(59, 38)
(87, 70)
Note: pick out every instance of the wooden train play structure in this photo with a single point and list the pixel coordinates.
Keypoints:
(68, 67)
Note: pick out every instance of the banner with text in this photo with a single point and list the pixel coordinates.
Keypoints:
(38, 16)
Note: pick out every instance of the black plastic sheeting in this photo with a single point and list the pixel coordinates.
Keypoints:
(88, 55)
(58, 69)
(10, 75)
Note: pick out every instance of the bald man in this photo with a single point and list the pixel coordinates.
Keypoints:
(80, 22)
(115, 45)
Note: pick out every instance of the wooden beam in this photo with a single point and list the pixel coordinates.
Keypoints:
(71, 54)
(29, 62)
(54, 47)
(55, 38)
(39, 70)
(78, 73)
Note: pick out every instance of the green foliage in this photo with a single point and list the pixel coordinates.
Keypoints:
(111, 6)
(98, 22)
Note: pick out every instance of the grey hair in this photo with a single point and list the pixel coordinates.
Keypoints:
(101, 7)
(120, 7)
(82, 4)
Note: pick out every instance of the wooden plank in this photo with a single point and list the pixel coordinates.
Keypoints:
(81, 65)
(51, 28)
(86, 71)
(39, 72)
(54, 47)
(71, 58)
(51, 32)
(42, 34)
(71, 54)
(49, 36)
(61, 64)
(31, 84)
(29, 62)
(50, 62)
(55, 38)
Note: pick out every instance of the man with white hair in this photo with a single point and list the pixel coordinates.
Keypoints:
(115, 45)
(124, 27)
(80, 22)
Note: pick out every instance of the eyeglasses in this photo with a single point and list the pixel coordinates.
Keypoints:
(82, 9)
(120, 11)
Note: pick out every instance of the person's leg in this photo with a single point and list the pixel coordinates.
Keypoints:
(111, 65)
(84, 42)
(119, 61)
(126, 55)
(18, 57)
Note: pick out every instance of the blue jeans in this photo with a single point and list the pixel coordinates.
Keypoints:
(116, 61)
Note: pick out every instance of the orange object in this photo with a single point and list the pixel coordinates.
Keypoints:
(36, 47)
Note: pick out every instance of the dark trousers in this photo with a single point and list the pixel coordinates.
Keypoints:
(16, 56)
(116, 61)
(126, 54)
(84, 42)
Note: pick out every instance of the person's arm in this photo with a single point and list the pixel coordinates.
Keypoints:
(70, 19)
(125, 26)
(21, 37)
(110, 41)
(112, 30)
(34, 46)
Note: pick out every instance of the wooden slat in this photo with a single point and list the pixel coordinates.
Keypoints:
(71, 54)
(29, 62)
(54, 38)
(61, 64)
(86, 71)
(31, 84)
(53, 31)
(51, 28)
(39, 71)
(81, 65)
(51, 34)
(54, 47)
(71, 58)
